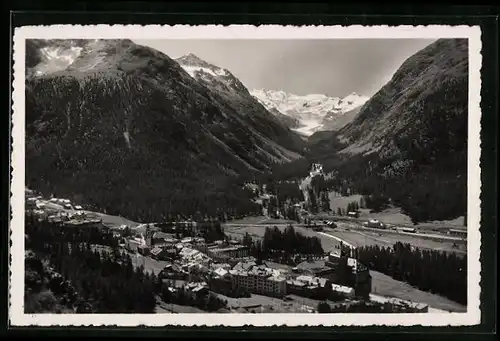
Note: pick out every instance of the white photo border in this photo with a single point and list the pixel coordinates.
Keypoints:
(17, 317)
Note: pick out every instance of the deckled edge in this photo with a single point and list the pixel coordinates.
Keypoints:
(293, 32)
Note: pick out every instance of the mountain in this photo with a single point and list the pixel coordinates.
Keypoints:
(427, 96)
(228, 89)
(313, 112)
(409, 141)
(128, 129)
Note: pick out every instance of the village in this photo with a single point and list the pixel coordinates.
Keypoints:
(197, 257)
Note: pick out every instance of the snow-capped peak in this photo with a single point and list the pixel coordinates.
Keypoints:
(55, 58)
(310, 109)
(192, 64)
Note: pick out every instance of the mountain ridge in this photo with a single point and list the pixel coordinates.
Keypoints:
(408, 143)
(130, 110)
(314, 112)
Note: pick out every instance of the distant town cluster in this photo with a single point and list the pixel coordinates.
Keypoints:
(184, 260)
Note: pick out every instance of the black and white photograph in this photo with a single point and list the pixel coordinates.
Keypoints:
(179, 177)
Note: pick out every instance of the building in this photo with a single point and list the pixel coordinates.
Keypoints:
(173, 271)
(296, 287)
(232, 252)
(318, 268)
(30, 204)
(244, 266)
(132, 245)
(334, 258)
(314, 286)
(189, 255)
(198, 289)
(143, 250)
(88, 229)
(353, 214)
(407, 229)
(343, 290)
(260, 280)
(361, 277)
(403, 306)
(374, 223)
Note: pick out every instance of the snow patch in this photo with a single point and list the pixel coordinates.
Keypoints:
(310, 110)
(193, 69)
(126, 135)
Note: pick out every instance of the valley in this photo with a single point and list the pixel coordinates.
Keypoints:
(185, 174)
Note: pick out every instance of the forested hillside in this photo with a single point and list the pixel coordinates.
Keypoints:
(125, 129)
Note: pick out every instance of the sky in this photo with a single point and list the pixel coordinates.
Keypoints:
(334, 67)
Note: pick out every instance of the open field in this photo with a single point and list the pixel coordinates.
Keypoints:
(392, 215)
(108, 220)
(111, 220)
(337, 201)
(396, 217)
(386, 286)
(360, 238)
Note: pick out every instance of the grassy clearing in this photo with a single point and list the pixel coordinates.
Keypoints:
(363, 238)
(337, 201)
(111, 220)
(396, 217)
(393, 215)
(386, 286)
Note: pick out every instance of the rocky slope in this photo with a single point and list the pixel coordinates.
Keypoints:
(313, 112)
(228, 89)
(105, 114)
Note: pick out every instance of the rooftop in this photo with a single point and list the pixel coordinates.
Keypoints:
(162, 235)
(296, 283)
(343, 289)
(277, 279)
(228, 249)
(244, 266)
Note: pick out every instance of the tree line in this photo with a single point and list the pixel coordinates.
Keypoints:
(107, 284)
(429, 270)
(283, 245)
